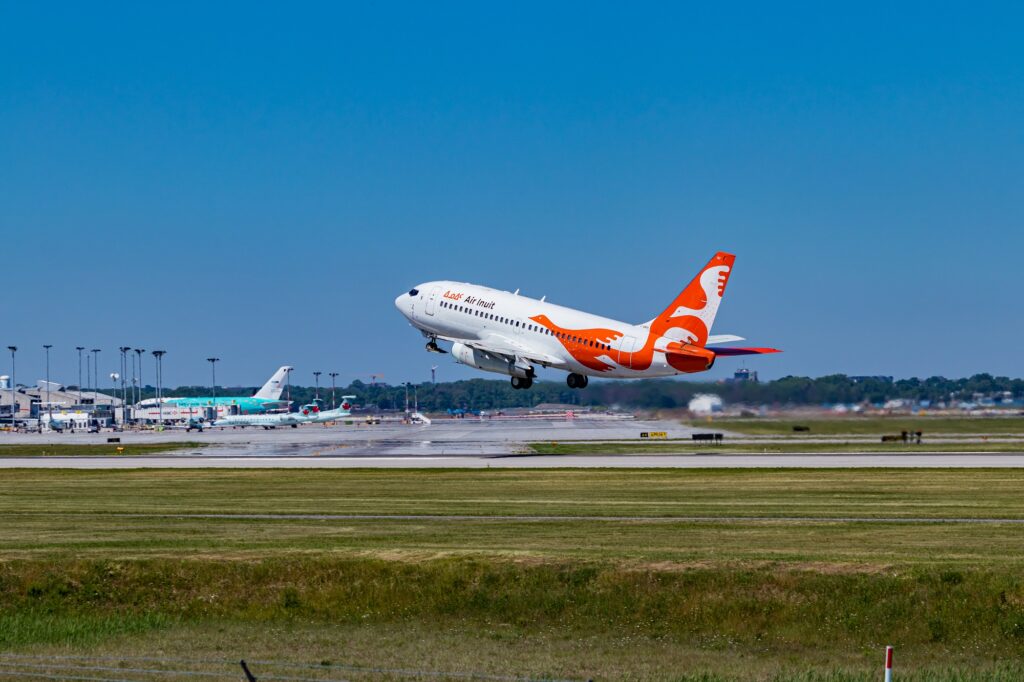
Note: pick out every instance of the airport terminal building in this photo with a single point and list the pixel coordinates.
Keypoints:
(34, 405)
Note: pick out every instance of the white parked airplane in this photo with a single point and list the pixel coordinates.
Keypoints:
(267, 421)
(312, 414)
(504, 332)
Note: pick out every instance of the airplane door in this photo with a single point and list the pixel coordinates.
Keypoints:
(435, 293)
(626, 350)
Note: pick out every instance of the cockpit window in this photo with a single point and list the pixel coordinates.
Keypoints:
(414, 292)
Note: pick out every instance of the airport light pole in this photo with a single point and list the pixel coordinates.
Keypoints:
(138, 353)
(213, 369)
(14, 385)
(159, 355)
(49, 409)
(131, 382)
(316, 377)
(95, 375)
(333, 376)
(124, 377)
(131, 386)
(79, 349)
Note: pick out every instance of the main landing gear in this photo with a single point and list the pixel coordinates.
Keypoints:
(577, 380)
(432, 347)
(519, 382)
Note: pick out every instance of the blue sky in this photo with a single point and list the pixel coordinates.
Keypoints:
(259, 181)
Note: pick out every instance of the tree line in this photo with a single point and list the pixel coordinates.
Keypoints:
(492, 394)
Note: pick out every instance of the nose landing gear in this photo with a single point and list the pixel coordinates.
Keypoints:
(577, 380)
(432, 347)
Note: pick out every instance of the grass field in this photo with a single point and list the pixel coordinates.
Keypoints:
(794, 445)
(856, 425)
(105, 563)
(974, 434)
(94, 449)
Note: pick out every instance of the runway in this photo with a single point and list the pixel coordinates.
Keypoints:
(461, 443)
(780, 461)
(471, 436)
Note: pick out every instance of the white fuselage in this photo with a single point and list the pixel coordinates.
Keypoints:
(568, 339)
(327, 416)
(270, 421)
(267, 421)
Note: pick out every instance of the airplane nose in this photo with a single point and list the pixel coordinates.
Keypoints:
(400, 302)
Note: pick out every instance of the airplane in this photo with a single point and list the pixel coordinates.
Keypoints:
(498, 331)
(310, 414)
(314, 415)
(267, 421)
(267, 398)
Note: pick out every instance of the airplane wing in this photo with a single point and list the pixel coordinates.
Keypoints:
(500, 344)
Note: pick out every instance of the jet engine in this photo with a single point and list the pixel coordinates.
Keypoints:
(489, 362)
(689, 358)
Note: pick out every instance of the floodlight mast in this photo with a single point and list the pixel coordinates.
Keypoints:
(159, 355)
(333, 375)
(14, 385)
(49, 407)
(79, 349)
(138, 353)
(124, 389)
(213, 369)
(95, 375)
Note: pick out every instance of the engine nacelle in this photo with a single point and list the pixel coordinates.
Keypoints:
(489, 362)
(689, 358)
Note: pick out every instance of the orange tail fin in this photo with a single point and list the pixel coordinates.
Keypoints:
(693, 311)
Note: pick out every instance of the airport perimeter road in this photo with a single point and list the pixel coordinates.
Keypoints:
(825, 461)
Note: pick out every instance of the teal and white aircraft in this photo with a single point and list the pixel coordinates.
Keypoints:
(265, 399)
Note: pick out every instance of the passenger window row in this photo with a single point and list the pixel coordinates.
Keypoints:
(529, 327)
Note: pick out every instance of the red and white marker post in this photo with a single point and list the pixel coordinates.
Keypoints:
(888, 664)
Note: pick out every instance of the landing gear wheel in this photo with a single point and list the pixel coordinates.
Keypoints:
(432, 347)
(518, 383)
(577, 380)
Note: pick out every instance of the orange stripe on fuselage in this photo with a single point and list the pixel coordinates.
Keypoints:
(585, 346)
(581, 343)
(687, 355)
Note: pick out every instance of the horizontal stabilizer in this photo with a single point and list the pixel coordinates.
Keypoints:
(723, 338)
(745, 351)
